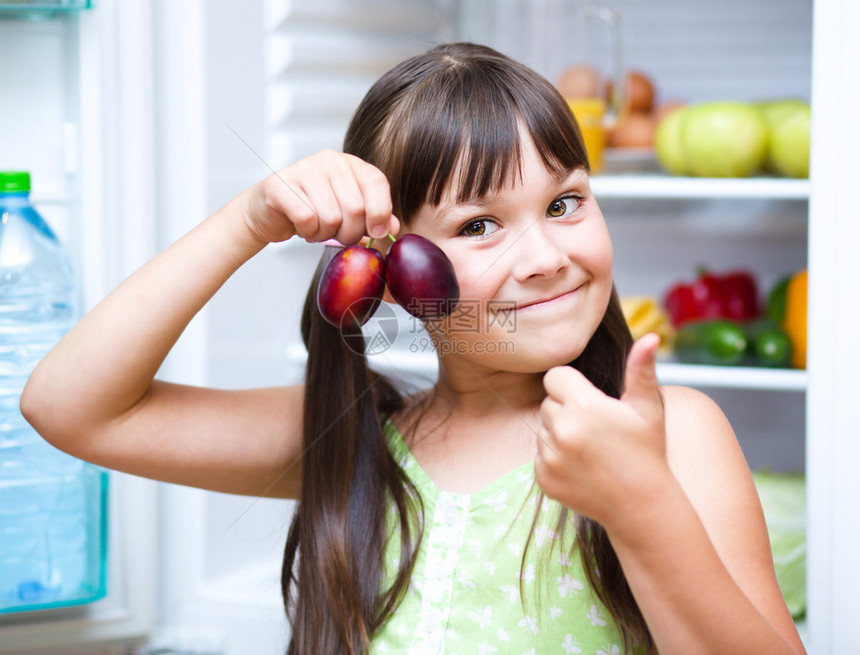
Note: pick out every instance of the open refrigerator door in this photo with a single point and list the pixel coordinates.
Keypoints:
(70, 119)
(126, 158)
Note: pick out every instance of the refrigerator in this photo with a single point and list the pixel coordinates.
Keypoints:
(137, 119)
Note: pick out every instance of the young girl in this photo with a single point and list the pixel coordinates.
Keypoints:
(543, 497)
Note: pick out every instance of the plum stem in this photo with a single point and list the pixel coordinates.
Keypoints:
(388, 234)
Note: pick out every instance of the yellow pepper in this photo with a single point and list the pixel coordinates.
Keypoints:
(794, 322)
(644, 314)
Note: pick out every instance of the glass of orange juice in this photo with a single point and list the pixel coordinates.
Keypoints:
(584, 46)
(590, 114)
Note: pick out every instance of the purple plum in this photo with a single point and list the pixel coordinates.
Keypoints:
(421, 278)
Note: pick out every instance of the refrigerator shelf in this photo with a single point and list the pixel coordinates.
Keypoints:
(42, 8)
(663, 186)
(635, 173)
(422, 369)
(731, 377)
(53, 531)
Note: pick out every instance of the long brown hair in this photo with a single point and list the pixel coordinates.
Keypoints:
(456, 109)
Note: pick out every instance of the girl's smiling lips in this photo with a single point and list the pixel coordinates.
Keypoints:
(552, 300)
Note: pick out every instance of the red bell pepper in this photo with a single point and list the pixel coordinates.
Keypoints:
(740, 295)
(733, 295)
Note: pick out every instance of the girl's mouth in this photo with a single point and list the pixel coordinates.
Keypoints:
(548, 302)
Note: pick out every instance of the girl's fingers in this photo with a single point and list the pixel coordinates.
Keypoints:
(376, 193)
(549, 410)
(351, 203)
(544, 448)
(566, 384)
(328, 195)
(394, 225)
(284, 201)
(350, 197)
(323, 199)
(345, 186)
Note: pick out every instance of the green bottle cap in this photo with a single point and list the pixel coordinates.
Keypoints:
(14, 182)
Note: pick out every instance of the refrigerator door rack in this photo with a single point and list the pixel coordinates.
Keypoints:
(49, 6)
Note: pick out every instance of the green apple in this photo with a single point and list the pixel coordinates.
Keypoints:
(775, 110)
(789, 143)
(723, 139)
(774, 113)
(668, 145)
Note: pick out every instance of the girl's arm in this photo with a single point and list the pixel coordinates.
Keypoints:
(699, 559)
(678, 504)
(94, 395)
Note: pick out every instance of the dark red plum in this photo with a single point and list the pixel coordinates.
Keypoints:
(421, 278)
(351, 286)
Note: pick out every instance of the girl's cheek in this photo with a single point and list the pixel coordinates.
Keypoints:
(477, 285)
(594, 250)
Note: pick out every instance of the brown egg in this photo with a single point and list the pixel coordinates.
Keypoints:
(665, 109)
(635, 130)
(579, 82)
(639, 92)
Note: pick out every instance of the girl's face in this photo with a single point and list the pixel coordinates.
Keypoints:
(534, 264)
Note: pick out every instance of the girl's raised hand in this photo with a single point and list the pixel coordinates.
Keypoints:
(329, 195)
(598, 455)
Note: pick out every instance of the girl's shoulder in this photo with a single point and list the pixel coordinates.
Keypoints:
(696, 429)
(685, 405)
(706, 458)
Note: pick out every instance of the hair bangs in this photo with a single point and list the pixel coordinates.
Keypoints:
(464, 126)
(455, 119)
(453, 134)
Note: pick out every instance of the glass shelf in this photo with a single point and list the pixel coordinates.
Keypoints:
(731, 377)
(666, 186)
(27, 8)
(634, 173)
(397, 362)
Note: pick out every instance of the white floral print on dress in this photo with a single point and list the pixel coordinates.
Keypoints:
(511, 592)
(529, 574)
(596, 616)
(498, 501)
(570, 644)
(568, 583)
(483, 616)
(528, 622)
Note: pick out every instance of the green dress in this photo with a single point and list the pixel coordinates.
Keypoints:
(464, 597)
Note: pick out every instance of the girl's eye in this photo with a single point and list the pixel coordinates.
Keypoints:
(564, 206)
(479, 228)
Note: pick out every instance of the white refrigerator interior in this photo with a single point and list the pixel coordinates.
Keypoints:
(138, 119)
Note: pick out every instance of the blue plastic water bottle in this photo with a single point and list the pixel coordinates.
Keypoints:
(52, 506)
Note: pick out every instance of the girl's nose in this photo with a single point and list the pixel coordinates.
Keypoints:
(536, 254)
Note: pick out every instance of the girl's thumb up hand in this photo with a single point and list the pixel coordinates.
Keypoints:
(600, 455)
(641, 389)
